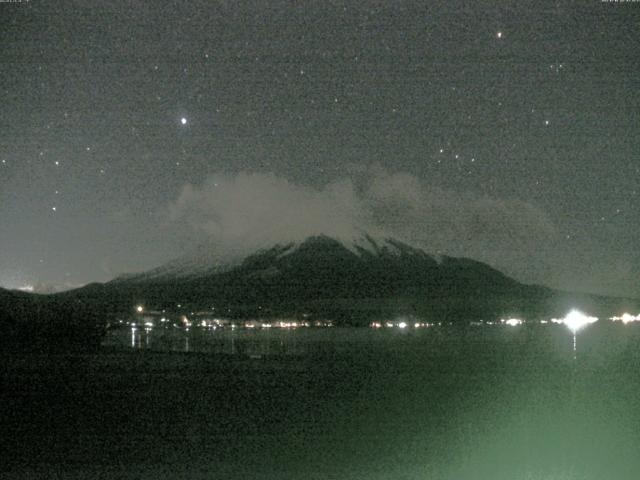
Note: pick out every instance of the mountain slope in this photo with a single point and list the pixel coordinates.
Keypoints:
(351, 281)
(49, 323)
(322, 276)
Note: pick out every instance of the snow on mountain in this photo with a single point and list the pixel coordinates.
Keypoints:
(364, 244)
(209, 258)
(205, 260)
(317, 251)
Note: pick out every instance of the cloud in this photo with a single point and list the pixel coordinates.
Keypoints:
(253, 210)
(259, 209)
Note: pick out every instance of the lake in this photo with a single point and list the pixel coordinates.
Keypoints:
(486, 402)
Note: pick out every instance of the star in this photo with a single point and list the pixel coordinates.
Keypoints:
(183, 120)
(499, 34)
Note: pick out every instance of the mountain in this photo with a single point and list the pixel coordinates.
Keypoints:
(206, 259)
(48, 323)
(347, 280)
(350, 281)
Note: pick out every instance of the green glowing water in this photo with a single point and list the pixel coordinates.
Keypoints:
(483, 403)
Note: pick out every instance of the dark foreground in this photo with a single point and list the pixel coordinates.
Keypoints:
(486, 403)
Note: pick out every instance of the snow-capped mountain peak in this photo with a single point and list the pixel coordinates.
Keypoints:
(210, 258)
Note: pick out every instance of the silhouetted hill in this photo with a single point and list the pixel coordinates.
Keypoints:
(46, 323)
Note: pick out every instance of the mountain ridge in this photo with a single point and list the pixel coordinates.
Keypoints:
(319, 277)
(327, 277)
(202, 264)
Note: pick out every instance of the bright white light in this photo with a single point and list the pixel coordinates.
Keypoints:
(576, 320)
(402, 325)
(183, 121)
(499, 34)
(139, 309)
(512, 322)
(626, 318)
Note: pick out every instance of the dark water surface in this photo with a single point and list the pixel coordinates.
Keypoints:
(437, 403)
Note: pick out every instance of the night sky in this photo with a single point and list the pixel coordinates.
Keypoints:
(132, 132)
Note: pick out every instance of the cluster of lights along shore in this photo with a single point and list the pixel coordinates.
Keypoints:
(575, 320)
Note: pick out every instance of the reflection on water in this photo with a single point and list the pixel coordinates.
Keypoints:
(249, 342)
(268, 342)
(495, 402)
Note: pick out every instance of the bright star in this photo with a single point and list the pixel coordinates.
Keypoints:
(499, 34)
(183, 121)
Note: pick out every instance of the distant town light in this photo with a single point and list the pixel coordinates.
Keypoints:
(512, 322)
(576, 320)
(402, 325)
(626, 318)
